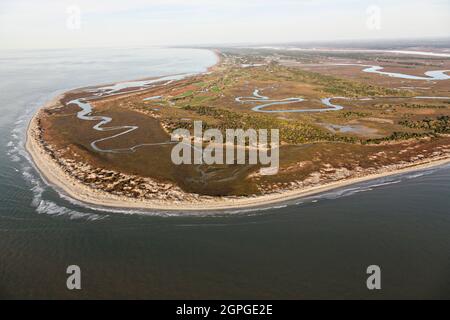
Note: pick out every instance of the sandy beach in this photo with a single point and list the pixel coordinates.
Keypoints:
(63, 182)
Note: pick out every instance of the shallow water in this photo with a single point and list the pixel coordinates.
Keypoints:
(263, 102)
(401, 52)
(432, 75)
(317, 247)
(101, 121)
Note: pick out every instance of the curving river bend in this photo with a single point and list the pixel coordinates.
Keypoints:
(264, 102)
(111, 90)
(433, 75)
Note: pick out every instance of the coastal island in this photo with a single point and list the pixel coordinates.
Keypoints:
(343, 118)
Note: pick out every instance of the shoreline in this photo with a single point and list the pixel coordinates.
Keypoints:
(54, 175)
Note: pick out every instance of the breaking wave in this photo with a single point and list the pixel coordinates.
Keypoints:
(17, 154)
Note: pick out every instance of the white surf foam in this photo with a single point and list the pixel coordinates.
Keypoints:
(17, 154)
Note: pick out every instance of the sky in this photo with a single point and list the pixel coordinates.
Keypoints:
(46, 24)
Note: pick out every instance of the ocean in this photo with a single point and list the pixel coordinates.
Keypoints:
(317, 247)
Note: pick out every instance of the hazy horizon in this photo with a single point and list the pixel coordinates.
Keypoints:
(46, 24)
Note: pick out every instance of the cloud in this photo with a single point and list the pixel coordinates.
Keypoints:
(27, 23)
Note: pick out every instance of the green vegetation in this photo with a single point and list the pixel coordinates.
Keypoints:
(396, 136)
(345, 88)
(291, 132)
(439, 125)
(385, 106)
(354, 114)
(215, 89)
(184, 95)
(337, 86)
(199, 99)
(206, 103)
(408, 106)
(432, 128)
(200, 84)
(327, 84)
